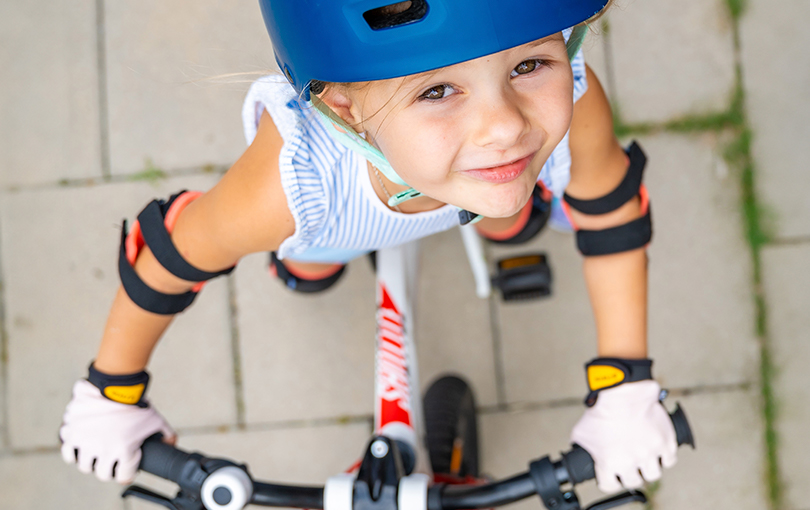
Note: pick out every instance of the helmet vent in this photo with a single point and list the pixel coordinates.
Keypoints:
(396, 14)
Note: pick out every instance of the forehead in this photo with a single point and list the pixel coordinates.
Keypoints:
(547, 42)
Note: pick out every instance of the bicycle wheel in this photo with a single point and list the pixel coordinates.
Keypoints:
(450, 424)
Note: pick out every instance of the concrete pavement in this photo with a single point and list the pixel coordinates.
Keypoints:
(107, 107)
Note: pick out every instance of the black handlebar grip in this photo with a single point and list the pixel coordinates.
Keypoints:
(162, 459)
(683, 432)
(579, 464)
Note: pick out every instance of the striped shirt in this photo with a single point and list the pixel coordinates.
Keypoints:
(338, 215)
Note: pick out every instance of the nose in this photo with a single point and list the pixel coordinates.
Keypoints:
(499, 122)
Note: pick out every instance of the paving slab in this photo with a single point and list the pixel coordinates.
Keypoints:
(786, 285)
(724, 472)
(40, 481)
(727, 468)
(303, 456)
(776, 70)
(701, 306)
(453, 329)
(305, 356)
(165, 104)
(700, 299)
(545, 342)
(49, 108)
(671, 59)
(59, 260)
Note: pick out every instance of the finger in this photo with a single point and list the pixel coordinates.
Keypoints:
(606, 481)
(169, 436)
(668, 459)
(104, 468)
(126, 469)
(68, 453)
(85, 461)
(651, 471)
(631, 479)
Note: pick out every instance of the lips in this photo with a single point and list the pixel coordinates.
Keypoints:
(501, 174)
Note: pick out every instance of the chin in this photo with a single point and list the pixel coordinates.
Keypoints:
(502, 205)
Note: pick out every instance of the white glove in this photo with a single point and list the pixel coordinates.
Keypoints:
(107, 435)
(629, 434)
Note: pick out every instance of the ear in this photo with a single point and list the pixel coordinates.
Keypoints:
(340, 103)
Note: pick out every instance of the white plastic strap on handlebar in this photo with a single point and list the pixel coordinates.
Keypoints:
(413, 492)
(338, 492)
(235, 481)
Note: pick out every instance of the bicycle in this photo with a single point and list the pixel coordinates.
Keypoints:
(415, 460)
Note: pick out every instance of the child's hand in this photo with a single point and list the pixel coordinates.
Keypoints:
(105, 437)
(629, 434)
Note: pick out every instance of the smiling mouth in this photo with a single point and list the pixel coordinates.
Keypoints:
(502, 173)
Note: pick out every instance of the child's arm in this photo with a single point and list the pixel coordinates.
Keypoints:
(625, 428)
(617, 284)
(245, 212)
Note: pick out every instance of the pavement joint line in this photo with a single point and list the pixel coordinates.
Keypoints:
(278, 425)
(757, 238)
(103, 110)
(529, 406)
(509, 408)
(236, 353)
(788, 241)
(116, 179)
(5, 439)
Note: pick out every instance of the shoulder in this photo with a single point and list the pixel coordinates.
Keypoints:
(598, 163)
(247, 210)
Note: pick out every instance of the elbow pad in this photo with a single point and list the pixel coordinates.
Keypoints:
(153, 229)
(630, 236)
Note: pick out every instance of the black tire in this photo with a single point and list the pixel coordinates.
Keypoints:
(450, 421)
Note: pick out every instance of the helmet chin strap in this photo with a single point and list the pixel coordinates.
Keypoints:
(352, 140)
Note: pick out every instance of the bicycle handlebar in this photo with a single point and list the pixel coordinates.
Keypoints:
(189, 471)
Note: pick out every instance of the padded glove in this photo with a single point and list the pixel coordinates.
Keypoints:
(105, 437)
(629, 434)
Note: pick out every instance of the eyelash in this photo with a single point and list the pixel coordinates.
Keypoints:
(538, 64)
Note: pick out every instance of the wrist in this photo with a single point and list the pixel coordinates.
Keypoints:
(605, 373)
(129, 389)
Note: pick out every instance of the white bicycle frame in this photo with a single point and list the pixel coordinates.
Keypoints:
(397, 397)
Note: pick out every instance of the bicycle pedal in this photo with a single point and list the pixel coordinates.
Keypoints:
(523, 277)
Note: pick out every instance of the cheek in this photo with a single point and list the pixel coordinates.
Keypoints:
(555, 107)
(420, 152)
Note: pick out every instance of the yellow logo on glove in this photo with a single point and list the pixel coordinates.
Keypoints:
(125, 394)
(603, 376)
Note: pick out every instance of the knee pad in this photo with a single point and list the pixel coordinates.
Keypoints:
(307, 283)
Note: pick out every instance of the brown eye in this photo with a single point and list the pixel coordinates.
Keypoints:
(527, 67)
(437, 92)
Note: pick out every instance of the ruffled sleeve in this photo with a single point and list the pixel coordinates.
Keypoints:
(301, 178)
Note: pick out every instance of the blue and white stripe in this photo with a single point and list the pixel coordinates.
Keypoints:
(337, 214)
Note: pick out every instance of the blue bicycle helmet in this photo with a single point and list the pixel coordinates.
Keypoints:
(361, 40)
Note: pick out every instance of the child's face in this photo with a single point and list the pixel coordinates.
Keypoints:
(475, 134)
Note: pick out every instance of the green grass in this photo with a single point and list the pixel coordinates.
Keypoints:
(757, 224)
(736, 8)
(651, 490)
(150, 173)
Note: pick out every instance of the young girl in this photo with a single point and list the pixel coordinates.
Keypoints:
(393, 121)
